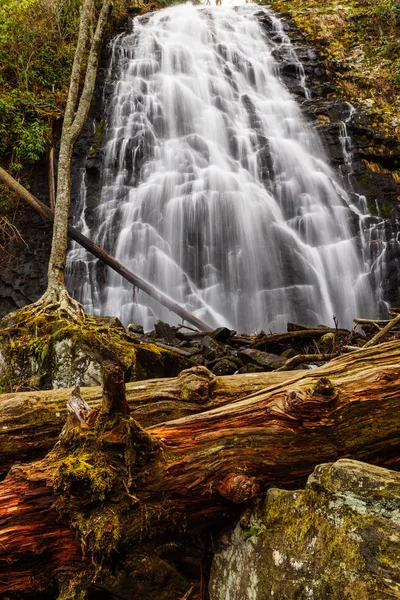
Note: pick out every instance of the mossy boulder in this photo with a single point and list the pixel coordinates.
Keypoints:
(53, 351)
(337, 539)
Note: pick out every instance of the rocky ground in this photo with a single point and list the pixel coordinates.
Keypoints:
(50, 352)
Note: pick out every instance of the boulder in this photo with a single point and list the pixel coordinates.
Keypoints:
(225, 366)
(338, 539)
(267, 361)
(39, 351)
(221, 334)
(212, 349)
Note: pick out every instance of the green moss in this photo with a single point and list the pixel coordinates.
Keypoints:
(252, 532)
(31, 346)
(88, 470)
(333, 539)
(97, 139)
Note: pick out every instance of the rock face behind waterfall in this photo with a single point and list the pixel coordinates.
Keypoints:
(212, 183)
(338, 539)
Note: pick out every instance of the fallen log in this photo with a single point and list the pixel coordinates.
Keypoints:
(383, 331)
(296, 337)
(99, 253)
(300, 359)
(121, 485)
(30, 422)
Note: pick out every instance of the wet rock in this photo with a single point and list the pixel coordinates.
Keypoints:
(165, 331)
(197, 359)
(288, 353)
(212, 349)
(337, 539)
(221, 334)
(267, 361)
(138, 329)
(111, 322)
(225, 367)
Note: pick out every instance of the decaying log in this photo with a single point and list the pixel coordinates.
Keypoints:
(383, 331)
(300, 359)
(99, 253)
(30, 422)
(297, 336)
(189, 473)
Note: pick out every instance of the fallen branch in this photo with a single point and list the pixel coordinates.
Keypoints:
(99, 253)
(383, 332)
(305, 358)
(297, 336)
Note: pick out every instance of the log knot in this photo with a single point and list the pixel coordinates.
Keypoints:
(238, 488)
(311, 402)
(196, 384)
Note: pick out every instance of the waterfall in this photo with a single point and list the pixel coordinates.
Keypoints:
(214, 187)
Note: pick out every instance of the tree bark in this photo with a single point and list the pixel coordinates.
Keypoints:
(193, 472)
(72, 126)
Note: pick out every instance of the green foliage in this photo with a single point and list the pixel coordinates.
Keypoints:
(36, 52)
(386, 10)
(37, 43)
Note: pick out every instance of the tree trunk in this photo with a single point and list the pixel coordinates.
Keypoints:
(121, 485)
(72, 126)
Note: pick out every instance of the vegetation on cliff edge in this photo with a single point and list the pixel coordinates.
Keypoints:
(360, 42)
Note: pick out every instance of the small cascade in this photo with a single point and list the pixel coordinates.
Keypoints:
(380, 242)
(214, 187)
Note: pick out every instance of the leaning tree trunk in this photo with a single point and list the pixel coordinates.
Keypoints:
(120, 485)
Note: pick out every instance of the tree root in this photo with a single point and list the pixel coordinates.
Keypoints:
(58, 301)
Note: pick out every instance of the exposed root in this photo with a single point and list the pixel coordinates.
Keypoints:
(58, 301)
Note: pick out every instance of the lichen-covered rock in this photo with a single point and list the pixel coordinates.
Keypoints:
(52, 351)
(338, 539)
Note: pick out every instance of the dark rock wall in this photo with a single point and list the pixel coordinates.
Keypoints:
(23, 266)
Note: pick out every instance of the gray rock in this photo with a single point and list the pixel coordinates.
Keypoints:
(221, 334)
(74, 366)
(212, 349)
(338, 539)
(225, 367)
(134, 328)
(267, 361)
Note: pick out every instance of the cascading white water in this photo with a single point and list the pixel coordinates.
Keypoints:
(215, 188)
